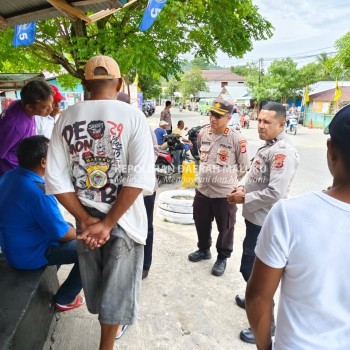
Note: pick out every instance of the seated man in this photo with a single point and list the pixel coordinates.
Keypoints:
(181, 130)
(33, 233)
(160, 133)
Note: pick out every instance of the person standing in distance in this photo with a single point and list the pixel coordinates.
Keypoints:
(166, 116)
(100, 162)
(270, 176)
(310, 257)
(223, 162)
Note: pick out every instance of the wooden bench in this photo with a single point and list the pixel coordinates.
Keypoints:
(26, 312)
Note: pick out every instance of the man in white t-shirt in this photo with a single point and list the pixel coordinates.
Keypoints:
(100, 160)
(44, 125)
(309, 255)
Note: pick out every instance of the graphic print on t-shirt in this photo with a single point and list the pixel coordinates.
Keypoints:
(96, 158)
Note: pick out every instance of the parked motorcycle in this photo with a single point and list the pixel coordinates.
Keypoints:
(168, 162)
(193, 137)
(148, 109)
(291, 125)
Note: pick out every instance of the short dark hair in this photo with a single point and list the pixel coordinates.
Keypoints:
(124, 97)
(167, 103)
(32, 150)
(344, 154)
(180, 122)
(36, 90)
(276, 107)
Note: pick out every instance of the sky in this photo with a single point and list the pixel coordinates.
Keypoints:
(302, 28)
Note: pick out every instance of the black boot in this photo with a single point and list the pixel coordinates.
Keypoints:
(200, 254)
(247, 335)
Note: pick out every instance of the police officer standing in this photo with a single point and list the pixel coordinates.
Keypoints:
(223, 161)
(270, 175)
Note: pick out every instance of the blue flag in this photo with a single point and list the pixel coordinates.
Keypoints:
(151, 13)
(24, 34)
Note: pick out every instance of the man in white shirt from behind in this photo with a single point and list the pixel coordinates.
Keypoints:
(304, 243)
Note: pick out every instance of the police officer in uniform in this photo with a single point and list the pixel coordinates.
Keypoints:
(270, 175)
(223, 161)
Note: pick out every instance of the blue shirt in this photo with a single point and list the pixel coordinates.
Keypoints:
(160, 133)
(30, 221)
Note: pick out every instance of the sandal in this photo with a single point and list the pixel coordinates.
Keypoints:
(124, 327)
(78, 301)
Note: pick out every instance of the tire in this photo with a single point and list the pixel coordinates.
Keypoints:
(167, 197)
(175, 210)
(176, 218)
(295, 131)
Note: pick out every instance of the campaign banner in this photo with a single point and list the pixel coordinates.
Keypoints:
(152, 11)
(24, 34)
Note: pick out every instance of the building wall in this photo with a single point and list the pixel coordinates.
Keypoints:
(316, 119)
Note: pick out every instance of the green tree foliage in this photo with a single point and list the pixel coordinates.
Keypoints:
(339, 65)
(192, 82)
(200, 63)
(197, 26)
(282, 80)
(245, 70)
(150, 86)
(171, 88)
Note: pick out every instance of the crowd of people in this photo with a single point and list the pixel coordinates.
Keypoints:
(97, 160)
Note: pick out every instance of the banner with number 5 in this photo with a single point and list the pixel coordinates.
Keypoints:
(152, 11)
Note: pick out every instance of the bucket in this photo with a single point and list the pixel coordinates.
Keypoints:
(188, 173)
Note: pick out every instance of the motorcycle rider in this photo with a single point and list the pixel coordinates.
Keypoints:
(181, 130)
(160, 133)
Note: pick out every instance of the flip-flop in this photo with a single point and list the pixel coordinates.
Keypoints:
(124, 327)
(78, 301)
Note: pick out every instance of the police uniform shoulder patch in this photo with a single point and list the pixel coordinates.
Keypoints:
(278, 160)
(243, 146)
(226, 131)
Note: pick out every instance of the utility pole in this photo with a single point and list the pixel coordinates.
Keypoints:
(260, 67)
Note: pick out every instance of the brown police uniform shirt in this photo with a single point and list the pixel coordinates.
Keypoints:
(166, 116)
(223, 162)
(270, 175)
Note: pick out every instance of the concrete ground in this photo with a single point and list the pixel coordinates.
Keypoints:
(182, 305)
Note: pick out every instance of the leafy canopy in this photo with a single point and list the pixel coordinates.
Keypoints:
(201, 27)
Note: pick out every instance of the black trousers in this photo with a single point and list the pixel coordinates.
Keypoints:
(148, 248)
(205, 209)
(249, 243)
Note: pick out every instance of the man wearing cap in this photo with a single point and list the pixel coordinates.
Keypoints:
(17, 121)
(165, 115)
(44, 125)
(100, 162)
(311, 259)
(270, 175)
(223, 161)
(160, 134)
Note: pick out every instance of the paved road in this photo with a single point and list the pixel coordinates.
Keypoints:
(182, 305)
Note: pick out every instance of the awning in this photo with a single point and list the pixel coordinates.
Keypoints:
(14, 12)
(15, 81)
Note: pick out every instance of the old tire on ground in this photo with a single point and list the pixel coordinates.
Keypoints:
(173, 208)
(170, 201)
(176, 218)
